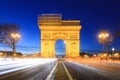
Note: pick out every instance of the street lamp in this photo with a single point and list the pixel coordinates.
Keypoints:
(15, 37)
(103, 39)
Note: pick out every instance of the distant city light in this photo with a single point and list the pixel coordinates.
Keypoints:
(1, 53)
(64, 42)
(113, 49)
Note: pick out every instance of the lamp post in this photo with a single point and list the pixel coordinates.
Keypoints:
(15, 37)
(103, 38)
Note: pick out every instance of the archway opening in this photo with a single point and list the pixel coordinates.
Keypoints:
(60, 48)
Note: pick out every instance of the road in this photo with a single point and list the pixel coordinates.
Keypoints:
(26, 69)
(60, 73)
(67, 70)
(93, 70)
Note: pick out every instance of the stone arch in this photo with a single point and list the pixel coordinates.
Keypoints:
(59, 35)
(53, 28)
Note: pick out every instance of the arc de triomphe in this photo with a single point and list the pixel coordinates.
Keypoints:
(52, 28)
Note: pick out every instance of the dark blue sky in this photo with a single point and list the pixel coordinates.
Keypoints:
(93, 14)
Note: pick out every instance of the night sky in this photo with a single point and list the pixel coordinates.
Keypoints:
(93, 14)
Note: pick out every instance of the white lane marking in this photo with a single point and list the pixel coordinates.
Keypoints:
(51, 73)
(70, 77)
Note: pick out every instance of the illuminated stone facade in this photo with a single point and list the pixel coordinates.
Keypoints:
(52, 28)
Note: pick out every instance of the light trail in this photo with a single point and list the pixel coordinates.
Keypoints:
(18, 64)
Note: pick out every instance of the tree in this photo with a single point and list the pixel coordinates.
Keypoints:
(6, 30)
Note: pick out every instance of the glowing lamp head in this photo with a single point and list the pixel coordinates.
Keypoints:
(103, 35)
(99, 36)
(18, 36)
(15, 35)
(106, 35)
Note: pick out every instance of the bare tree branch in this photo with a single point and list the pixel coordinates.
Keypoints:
(5, 33)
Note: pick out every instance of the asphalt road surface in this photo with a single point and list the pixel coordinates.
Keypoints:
(38, 72)
(93, 71)
(60, 73)
(67, 70)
